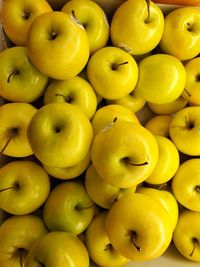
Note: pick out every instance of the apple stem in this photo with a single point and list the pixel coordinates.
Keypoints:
(22, 254)
(135, 164)
(163, 186)
(6, 144)
(195, 242)
(108, 247)
(148, 11)
(67, 99)
(189, 95)
(7, 188)
(39, 262)
(78, 207)
(115, 66)
(197, 188)
(14, 73)
(190, 124)
(134, 235)
(12, 133)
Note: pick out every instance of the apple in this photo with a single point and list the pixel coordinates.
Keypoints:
(186, 184)
(131, 101)
(162, 78)
(182, 27)
(185, 130)
(58, 249)
(24, 187)
(68, 208)
(106, 115)
(159, 125)
(17, 235)
(98, 244)
(112, 72)
(124, 154)
(102, 193)
(94, 20)
(164, 198)
(61, 36)
(17, 16)
(142, 31)
(20, 81)
(138, 227)
(15, 118)
(169, 108)
(187, 235)
(168, 162)
(69, 172)
(60, 135)
(75, 91)
(191, 92)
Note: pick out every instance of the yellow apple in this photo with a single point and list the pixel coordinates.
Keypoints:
(98, 244)
(165, 199)
(17, 16)
(15, 118)
(138, 227)
(186, 184)
(58, 249)
(60, 135)
(182, 27)
(124, 154)
(168, 162)
(58, 45)
(112, 72)
(187, 235)
(17, 236)
(106, 115)
(24, 187)
(185, 130)
(94, 20)
(137, 26)
(162, 78)
(159, 125)
(102, 193)
(75, 91)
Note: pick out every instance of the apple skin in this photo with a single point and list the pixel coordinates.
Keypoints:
(20, 81)
(66, 37)
(76, 91)
(30, 187)
(68, 208)
(16, 239)
(138, 227)
(99, 246)
(139, 34)
(60, 135)
(112, 72)
(187, 235)
(124, 165)
(162, 78)
(159, 125)
(94, 20)
(58, 249)
(15, 118)
(186, 190)
(182, 26)
(17, 16)
(185, 126)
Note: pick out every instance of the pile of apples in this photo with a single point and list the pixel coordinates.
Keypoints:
(99, 133)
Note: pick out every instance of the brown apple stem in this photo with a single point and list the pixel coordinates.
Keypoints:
(67, 99)
(133, 239)
(189, 95)
(22, 254)
(6, 144)
(197, 188)
(11, 133)
(148, 11)
(84, 208)
(108, 247)
(189, 123)
(117, 196)
(14, 73)
(39, 262)
(7, 188)
(195, 242)
(163, 186)
(127, 160)
(115, 66)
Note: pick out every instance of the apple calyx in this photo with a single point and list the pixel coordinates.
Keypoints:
(26, 15)
(109, 247)
(133, 240)
(127, 161)
(12, 74)
(115, 66)
(15, 186)
(195, 242)
(147, 20)
(79, 207)
(39, 262)
(67, 99)
(197, 78)
(12, 132)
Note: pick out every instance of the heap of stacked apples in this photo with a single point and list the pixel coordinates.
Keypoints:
(84, 176)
